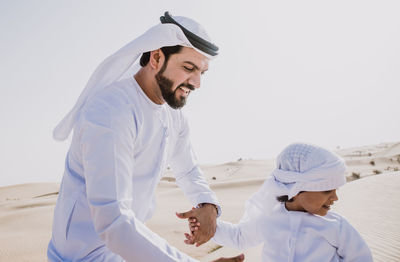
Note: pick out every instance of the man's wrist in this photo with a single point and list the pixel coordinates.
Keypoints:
(206, 204)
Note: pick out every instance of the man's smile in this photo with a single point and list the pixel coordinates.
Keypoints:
(185, 90)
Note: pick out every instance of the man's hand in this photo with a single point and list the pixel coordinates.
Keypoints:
(239, 258)
(202, 224)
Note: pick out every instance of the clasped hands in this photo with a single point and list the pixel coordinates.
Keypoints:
(202, 225)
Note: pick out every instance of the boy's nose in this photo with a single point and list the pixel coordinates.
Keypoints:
(334, 196)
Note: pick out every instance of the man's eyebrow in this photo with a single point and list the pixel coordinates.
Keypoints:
(195, 66)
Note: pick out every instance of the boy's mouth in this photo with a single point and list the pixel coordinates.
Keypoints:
(326, 207)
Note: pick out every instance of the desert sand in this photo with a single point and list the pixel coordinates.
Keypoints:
(370, 201)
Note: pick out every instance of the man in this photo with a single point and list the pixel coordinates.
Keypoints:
(124, 137)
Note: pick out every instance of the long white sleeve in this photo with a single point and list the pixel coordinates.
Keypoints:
(239, 236)
(107, 150)
(187, 173)
(352, 247)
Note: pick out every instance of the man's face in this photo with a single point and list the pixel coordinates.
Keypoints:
(181, 75)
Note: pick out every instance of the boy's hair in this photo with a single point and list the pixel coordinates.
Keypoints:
(167, 51)
(285, 198)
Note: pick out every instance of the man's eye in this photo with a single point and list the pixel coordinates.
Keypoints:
(190, 69)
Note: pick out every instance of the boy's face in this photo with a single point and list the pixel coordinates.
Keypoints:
(317, 203)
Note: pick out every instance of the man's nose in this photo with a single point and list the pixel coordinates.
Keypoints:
(195, 80)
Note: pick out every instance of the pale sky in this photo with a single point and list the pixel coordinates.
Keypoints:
(323, 72)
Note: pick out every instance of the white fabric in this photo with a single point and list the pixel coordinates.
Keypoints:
(290, 235)
(300, 167)
(309, 168)
(293, 236)
(121, 146)
(121, 65)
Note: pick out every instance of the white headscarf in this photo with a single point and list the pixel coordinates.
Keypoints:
(300, 167)
(121, 65)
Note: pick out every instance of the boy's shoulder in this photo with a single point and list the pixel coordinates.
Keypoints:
(331, 218)
(333, 221)
(332, 215)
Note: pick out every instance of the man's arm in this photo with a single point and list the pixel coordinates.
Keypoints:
(194, 185)
(107, 149)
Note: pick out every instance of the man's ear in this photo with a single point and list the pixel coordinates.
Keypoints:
(156, 59)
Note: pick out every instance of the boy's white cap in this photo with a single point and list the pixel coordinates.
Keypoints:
(300, 167)
(304, 167)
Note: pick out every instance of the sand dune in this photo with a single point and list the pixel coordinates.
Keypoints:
(371, 204)
(25, 221)
(392, 151)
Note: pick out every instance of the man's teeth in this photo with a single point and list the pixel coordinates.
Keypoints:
(185, 89)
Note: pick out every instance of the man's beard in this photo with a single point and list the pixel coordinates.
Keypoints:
(169, 95)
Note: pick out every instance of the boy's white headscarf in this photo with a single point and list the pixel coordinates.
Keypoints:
(300, 167)
(121, 65)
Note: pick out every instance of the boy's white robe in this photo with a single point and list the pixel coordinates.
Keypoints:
(121, 145)
(292, 236)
